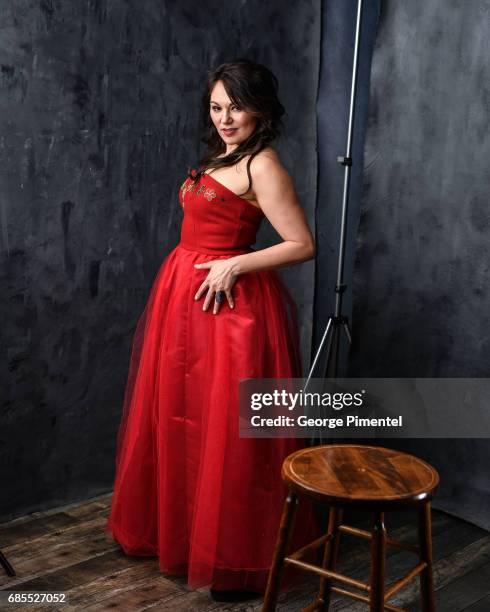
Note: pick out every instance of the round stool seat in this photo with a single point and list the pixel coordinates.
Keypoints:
(354, 474)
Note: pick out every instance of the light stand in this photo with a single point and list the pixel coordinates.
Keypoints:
(337, 321)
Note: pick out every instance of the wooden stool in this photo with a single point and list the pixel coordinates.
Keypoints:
(373, 478)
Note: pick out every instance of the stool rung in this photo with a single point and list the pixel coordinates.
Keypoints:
(396, 586)
(309, 567)
(311, 546)
(365, 599)
(362, 533)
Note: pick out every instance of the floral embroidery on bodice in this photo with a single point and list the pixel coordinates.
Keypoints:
(190, 185)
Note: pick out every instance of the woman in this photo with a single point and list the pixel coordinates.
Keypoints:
(187, 487)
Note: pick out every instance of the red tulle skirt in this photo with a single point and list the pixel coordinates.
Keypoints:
(187, 488)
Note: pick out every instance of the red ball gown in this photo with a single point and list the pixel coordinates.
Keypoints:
(187, 488)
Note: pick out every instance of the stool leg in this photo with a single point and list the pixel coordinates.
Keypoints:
(378, 554)
(425, 544)
(282, 546)
(330, 556)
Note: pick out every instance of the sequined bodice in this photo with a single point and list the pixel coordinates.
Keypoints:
(216, 219)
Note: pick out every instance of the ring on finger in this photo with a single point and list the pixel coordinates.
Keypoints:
(220, 296)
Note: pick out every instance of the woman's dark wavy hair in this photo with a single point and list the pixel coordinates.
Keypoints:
(252, 87)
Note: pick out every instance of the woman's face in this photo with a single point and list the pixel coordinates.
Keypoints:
(234, 124)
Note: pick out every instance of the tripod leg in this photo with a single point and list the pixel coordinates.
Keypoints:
(347, 332)
(317, 356)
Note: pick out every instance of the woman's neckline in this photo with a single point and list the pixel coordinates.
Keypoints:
(232, 192)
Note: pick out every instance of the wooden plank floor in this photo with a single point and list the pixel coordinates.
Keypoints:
(67, 549)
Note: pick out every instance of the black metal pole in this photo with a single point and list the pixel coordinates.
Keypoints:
(337, 321)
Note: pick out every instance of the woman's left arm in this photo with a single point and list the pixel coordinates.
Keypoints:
(276, 195)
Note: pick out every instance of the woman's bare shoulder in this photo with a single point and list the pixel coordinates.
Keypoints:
(266, 161)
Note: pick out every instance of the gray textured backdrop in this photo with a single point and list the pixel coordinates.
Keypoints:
(99, 105)
(421, 290)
